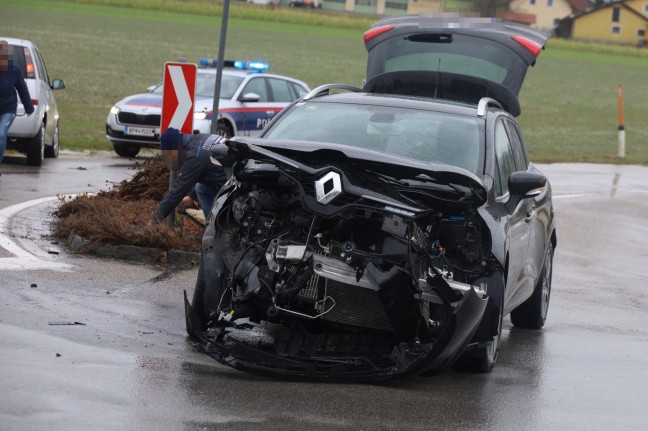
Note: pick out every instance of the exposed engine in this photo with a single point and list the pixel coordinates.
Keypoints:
(345, 270)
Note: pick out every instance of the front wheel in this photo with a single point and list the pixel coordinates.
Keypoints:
(36, 149)
(53, 150)
(482, 359)
(126, 150)
(532, 313)
(485, 357)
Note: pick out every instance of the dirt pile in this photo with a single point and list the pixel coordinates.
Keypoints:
(118, 216)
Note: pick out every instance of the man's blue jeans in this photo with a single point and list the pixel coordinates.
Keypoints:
(5, 123)
(206, 196)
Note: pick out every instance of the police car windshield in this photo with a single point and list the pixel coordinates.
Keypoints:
(423, 135)
(205, 83)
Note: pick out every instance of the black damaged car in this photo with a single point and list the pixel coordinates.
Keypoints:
(384, 231)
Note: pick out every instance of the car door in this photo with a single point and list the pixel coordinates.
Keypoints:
(540, 209)
(282, 93)
(45, 92)
(516, 227)
(255, 113)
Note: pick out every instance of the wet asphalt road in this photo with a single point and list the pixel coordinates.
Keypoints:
(128, 364)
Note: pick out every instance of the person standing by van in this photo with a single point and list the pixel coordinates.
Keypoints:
(11, 81)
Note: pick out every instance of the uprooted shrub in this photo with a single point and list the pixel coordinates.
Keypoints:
(118, 216)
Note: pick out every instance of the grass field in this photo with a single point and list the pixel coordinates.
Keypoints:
(569, 101)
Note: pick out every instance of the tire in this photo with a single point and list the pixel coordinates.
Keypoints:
(53, 150)
(483, 359)
(126, 150)
(223, 130)
(532, 313)
(36, 150)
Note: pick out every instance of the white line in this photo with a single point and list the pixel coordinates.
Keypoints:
(573, 195)
(23, 259)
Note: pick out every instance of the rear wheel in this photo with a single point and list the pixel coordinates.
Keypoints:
(53, 150)
(126, 150)
(36, 150)
(532, 313)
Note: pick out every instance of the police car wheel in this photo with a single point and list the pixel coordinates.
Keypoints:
(223, 130)
(126, 150)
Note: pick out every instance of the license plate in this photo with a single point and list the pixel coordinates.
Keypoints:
(139, 131)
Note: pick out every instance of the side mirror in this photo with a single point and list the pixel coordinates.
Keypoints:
(58, 84)
(523, 185)
(249, 97)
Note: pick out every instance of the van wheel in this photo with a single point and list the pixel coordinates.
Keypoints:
(126, 150)
(36, 150)
(53, 150)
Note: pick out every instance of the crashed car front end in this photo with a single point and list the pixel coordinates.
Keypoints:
(317, 268)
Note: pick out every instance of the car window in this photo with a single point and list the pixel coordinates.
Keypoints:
(19, 58)
(504, 157)
(428, 136)
(280, 90)
(258, 86)
(459, 54)
(40, 64)
(518, 148)
(298, 90)
(205, 83)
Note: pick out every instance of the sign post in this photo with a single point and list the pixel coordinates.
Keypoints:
(621, 138)
(177, 108)
(219, 66)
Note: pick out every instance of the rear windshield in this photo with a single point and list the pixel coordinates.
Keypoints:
(18, 58)
(422, 135)
(459, 54)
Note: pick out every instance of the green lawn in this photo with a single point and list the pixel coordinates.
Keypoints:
(104, 53)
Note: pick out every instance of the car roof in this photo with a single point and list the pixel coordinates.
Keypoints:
(246, 73)
(451, 57)
(14, 41)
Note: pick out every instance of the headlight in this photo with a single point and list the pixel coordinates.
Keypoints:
(114, 110)
(200, 115)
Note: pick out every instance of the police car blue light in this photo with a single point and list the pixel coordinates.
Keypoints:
(257, 66)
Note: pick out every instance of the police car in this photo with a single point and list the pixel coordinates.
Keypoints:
(249, 98)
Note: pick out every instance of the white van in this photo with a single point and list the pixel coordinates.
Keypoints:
(37, 135)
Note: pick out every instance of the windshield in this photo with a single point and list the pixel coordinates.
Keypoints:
(205, 83)
(427, 136)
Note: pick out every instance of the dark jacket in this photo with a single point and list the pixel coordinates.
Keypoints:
(10, 81)
(195, 166)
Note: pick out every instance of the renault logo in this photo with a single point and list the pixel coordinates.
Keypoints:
(328, 187)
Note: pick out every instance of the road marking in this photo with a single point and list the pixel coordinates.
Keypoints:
(23, 259)
(572, 195)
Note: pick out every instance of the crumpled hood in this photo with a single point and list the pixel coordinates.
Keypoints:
(313, 156)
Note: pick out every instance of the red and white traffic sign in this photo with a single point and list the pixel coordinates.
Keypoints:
(178, 97)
